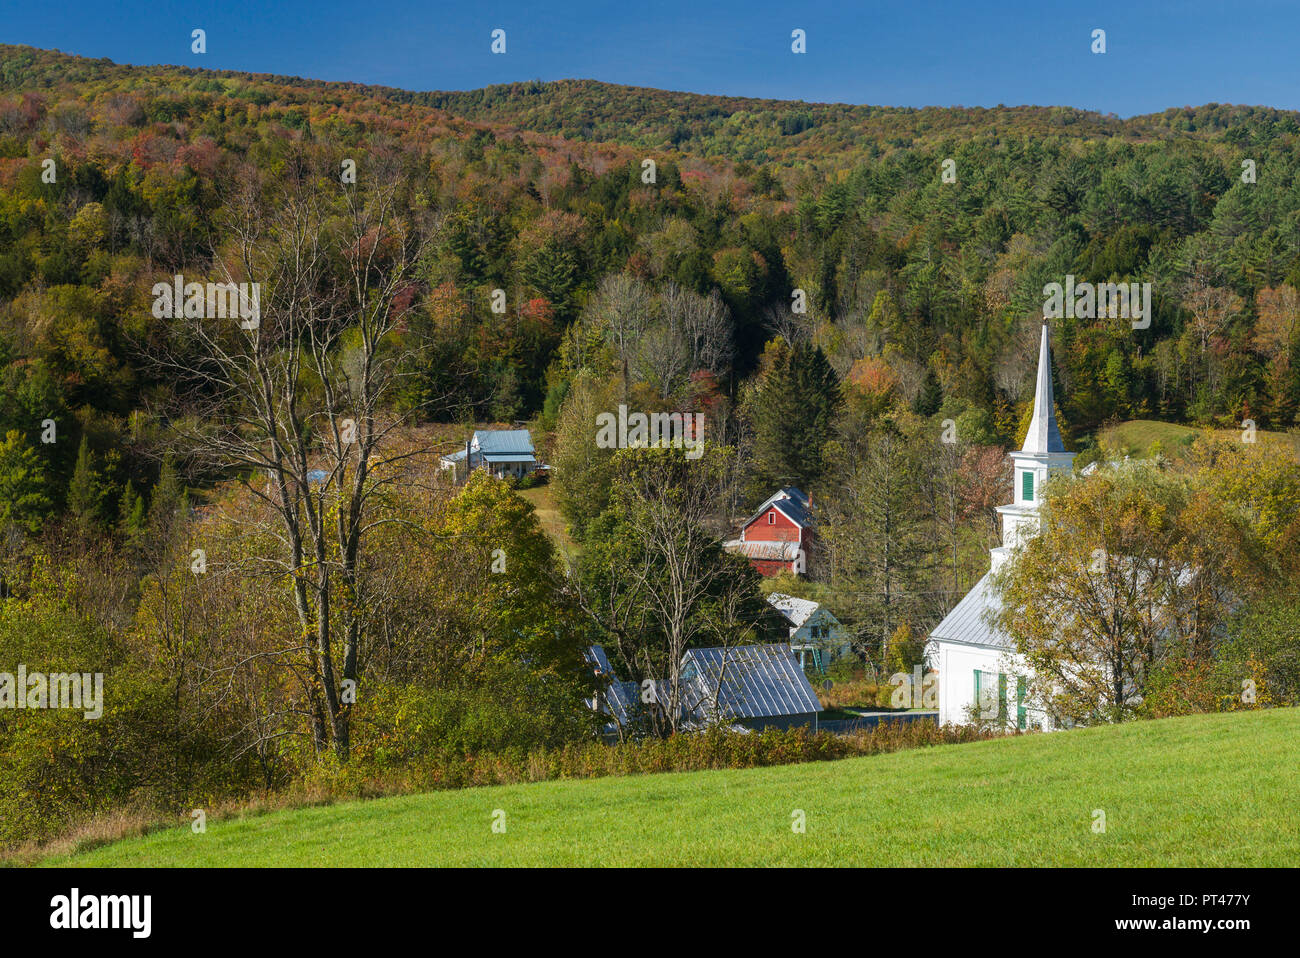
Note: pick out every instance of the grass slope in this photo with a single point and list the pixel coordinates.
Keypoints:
(1201, 790)
(542, 499)
(1137, 435)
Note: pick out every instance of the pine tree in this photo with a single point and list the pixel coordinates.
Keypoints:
(23, 499)
(168, 505)
(85, 491)
(130, 522)
(792, 409)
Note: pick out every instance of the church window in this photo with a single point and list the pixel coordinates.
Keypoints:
(1027, 486)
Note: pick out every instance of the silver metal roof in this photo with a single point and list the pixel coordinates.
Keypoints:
(774, 550)
(596, 655)
(619, 699)
(747, 681)
(501, 442)
(968, 621)
(796, 611)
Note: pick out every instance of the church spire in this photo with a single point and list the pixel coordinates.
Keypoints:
(1043, 436)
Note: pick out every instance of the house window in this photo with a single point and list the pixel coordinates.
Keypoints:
(771, 518)
(1027, 486)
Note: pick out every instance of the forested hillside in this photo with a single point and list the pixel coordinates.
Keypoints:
(241, 525)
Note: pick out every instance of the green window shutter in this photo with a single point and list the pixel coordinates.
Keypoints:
(1002, 697)
(1020, 704)
(978, 673)
(1027, 486)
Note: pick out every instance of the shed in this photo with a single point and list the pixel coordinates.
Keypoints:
(757, 686)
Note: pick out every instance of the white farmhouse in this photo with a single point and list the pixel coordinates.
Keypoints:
(816, 636)
(977, 664)
(503, 452)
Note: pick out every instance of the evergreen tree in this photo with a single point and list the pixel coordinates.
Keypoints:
(23, 498)
(130, 522)
(875, 530)
(86, 491)
(791, 410)
(168, 506)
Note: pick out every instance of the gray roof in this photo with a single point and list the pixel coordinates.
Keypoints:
(504, 442)
(621, 699)
(498, 446)
(1044, 435)
(595, 655)
(774, 550)
(791, 501)
(796, 611)
(747, 681)
(968, 621)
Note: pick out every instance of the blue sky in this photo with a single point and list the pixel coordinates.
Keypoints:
(909, 53)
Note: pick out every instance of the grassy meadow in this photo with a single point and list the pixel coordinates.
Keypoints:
(1204, 790)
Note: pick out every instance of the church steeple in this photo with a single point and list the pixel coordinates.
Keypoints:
(1043, 453)
(1043, 436)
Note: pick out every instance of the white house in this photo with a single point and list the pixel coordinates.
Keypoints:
(977, 664)
(503, 452)
(816, 636)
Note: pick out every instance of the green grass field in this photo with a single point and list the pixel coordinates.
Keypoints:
(548, 514)
(1204, 790)
(1137, 435)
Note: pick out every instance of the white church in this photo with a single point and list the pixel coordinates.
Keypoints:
(979, 668)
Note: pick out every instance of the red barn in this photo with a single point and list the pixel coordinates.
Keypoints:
(777, 536)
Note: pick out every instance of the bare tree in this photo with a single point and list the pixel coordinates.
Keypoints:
(293, 405)
(622, 309)
(1014, 371)
(782, 321)
(669, 586)
(663, 358)
(1212, 308)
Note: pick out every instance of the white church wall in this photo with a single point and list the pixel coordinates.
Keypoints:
(957, 664)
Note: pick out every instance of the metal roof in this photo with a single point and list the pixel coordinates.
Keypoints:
(775, 550)
(968, 621)
(747, 681)
(797, 611)
(793, 503)
(503, 442)
(621, 699)
(595, 654)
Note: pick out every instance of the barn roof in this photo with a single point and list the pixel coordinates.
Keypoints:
(792, 503)
(773, 550)
(747, 681)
